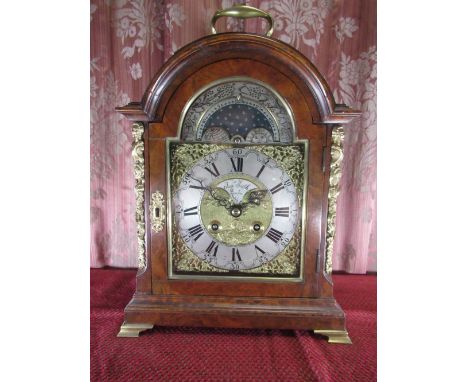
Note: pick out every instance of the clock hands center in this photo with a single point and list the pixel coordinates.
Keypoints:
(255, 198)
(234, 209)
(222, 201)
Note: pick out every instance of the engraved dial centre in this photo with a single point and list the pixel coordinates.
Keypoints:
(235, 207)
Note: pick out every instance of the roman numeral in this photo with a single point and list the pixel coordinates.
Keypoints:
(213, 172)
(282, 211)
(212, 246)
(196, 231)
(277, 188)
(274, 235)
(197, 187)
(240, 164)
(260, 171)
(191, 211)
(235, 252)
(259, 250)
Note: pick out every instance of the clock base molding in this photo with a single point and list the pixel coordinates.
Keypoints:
(322, 315)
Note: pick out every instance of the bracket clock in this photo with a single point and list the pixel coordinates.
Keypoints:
(237, 150)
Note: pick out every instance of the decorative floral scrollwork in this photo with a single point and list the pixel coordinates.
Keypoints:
(139, 173)
(333, 191)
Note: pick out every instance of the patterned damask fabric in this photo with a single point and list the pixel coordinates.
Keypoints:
(130, 41)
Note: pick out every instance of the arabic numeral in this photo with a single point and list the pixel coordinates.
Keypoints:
(285, 241)
(234, 266)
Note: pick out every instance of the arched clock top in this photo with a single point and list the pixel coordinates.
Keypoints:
(230, 46)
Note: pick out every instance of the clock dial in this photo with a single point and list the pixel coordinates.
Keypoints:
(239, 109)
(238, 117)
(236, 209)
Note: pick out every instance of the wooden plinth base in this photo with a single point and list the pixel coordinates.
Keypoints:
(323, 316)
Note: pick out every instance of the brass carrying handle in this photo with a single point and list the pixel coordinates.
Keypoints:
(241, 11)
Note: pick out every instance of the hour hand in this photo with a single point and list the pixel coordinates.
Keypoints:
(255, 197)
(221, 196)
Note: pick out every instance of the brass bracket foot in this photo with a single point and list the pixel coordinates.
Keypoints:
(335, 336)
(133, 330)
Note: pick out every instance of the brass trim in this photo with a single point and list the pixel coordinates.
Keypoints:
(138, 149)
(335, 336)
(299, 278)
(242, 11)
(203, 89)
(333, 192)
(133, 330)
(158, 211)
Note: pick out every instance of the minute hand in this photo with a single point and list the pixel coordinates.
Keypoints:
(255, 198)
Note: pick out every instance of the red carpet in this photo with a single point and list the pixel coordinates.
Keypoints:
(194, 354)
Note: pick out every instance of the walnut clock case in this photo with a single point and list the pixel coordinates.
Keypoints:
(237, 151)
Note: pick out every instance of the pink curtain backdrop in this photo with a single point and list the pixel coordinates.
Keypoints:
(130, 41)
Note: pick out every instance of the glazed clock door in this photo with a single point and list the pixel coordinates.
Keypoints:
(243, 187)
(236, 209)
